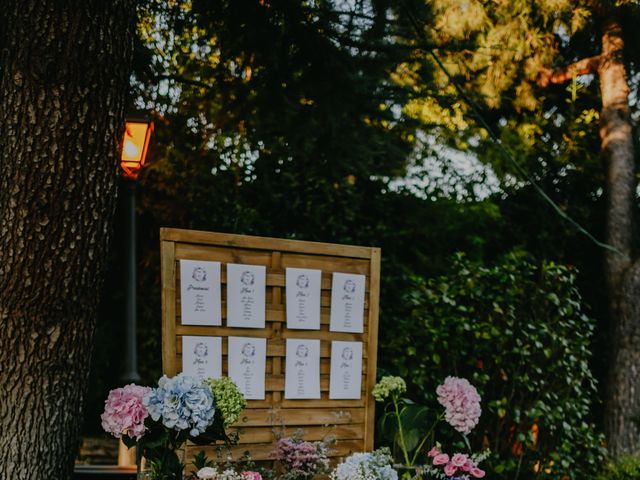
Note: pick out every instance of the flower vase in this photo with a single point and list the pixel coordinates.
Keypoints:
(144, 475)
(143, 470)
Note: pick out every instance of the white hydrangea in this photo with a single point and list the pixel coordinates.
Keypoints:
(207, 473)
(214, 474)
(376, 465)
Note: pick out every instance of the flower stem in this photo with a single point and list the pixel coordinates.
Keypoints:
(403, 444)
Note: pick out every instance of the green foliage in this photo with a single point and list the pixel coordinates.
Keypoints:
(623, 468)
(201, 461)
(517, 332)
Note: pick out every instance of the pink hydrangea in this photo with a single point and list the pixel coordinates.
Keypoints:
(249, 475)
(124, 412)
(461, 402)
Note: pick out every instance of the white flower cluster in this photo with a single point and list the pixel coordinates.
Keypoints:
(214, 474)
(376, 465)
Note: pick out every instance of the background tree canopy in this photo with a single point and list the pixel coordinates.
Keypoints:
(331, 121)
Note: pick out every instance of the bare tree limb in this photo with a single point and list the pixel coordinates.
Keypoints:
(581, 67)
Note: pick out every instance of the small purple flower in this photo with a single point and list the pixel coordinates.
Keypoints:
(301, 459)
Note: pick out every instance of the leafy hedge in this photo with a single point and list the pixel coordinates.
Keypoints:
(517, 331)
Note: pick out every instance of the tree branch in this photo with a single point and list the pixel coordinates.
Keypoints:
(581, 67)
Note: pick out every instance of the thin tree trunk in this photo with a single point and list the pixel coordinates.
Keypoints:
(622, 405)
(64, 71)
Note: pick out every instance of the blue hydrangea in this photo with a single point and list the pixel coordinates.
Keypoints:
(182, 402)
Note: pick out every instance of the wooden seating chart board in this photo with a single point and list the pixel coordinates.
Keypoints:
(351, 422)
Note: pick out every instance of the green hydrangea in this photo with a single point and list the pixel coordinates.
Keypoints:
(228, 398)
(388, 386)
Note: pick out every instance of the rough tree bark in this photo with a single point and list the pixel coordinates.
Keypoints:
(64, 76)
(622, 402)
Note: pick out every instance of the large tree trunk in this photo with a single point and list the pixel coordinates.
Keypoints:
(622, 404)
(64, 76)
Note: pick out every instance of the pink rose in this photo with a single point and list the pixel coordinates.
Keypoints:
(440, 459)
(476, 472)
(459, 459)
(450, 469)
(433, 452)
(468, 466)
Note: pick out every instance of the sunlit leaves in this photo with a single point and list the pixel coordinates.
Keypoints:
(458, 19)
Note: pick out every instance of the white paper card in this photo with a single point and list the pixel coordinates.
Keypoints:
(302, 373)
(200, 292)
(202, 356)
(247, 365)
(347, 303)
(303, 298)
(346, 370)
(245, 295)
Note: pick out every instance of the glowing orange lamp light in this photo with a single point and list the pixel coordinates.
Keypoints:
(134, 146)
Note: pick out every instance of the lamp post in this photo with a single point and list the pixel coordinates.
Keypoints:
(134, 152)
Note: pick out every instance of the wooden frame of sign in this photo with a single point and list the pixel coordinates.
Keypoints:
(351, 422)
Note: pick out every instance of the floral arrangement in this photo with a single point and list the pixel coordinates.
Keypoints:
(407, 426)
(300, 459)
(160, 420)
(459, 465)
(376, 465)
